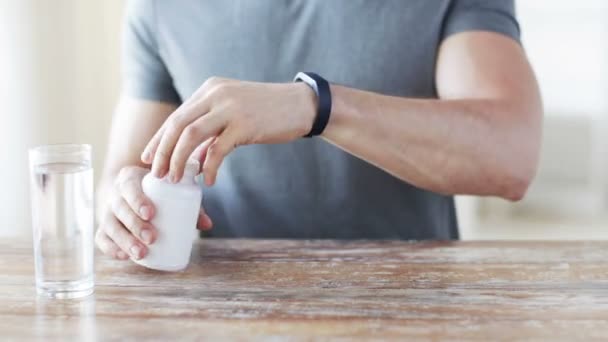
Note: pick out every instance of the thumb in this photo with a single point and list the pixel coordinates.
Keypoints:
(204, 221)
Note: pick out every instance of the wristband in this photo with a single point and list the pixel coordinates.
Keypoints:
(323, 92)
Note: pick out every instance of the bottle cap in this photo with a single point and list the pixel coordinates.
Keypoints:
(192, 168)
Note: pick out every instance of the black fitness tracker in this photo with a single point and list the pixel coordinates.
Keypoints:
(321, 88)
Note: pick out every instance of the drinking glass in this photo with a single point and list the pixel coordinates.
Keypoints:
(61, 191)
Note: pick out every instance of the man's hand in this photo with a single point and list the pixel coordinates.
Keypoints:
(223, 114)
(125, 229)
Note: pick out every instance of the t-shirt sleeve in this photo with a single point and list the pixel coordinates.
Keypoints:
(482, 15)
(144, 74)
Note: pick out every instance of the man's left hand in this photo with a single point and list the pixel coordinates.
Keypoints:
(224, 114)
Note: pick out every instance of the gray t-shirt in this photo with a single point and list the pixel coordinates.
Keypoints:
(307, 188)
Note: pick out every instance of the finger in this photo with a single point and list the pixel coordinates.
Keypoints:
(150, 149)
(200, 153)
(108, 247)
(204, 221)
(223, 145)
(177, 122)
(123, 238)
(193, 135)
(130, 189)
(195, 104)
(149, 152)
(141, 229)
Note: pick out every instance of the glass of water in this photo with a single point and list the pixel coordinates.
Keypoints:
(61, 190)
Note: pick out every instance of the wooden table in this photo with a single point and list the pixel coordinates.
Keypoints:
(240, 289)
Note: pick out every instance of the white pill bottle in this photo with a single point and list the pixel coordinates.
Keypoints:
(176, 211)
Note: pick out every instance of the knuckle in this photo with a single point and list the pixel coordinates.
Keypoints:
(240, 122)
(134, 225)
(124, 239)
(138, 201)
(125, 172)
(120, 178)
(131, 193)
(161, 154)
(213, 154)
(116, 204)
(222, 148)
(125, 175)
(112, 229)
(191, 132)
(107, 247)
(127, 216)
(219, 90)
(123, 187)
(173, 124)
(212, 81)
(175, 162)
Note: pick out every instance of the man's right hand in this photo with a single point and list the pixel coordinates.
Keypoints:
(125, 230)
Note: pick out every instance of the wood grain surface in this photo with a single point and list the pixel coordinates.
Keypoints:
(302, 290)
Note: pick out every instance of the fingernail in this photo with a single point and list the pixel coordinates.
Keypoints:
(135, 250)
(121, 255)
(156, 171)
(145, 212)
(145, 156)
(146, 236)
(172, 177)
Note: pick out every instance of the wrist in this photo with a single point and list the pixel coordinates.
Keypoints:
(334, 113)
(322, 91)
(347, 117)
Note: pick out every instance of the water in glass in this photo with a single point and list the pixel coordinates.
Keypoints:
(62, 206)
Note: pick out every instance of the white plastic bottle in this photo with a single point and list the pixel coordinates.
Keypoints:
(177, 207)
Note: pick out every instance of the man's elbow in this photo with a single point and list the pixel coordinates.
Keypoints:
(515, 179)
(516, 188)
(521, 157)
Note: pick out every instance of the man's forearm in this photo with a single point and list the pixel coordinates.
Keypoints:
(480, 147)
(133, 124)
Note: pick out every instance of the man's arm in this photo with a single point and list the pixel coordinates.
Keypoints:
(482, 136)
